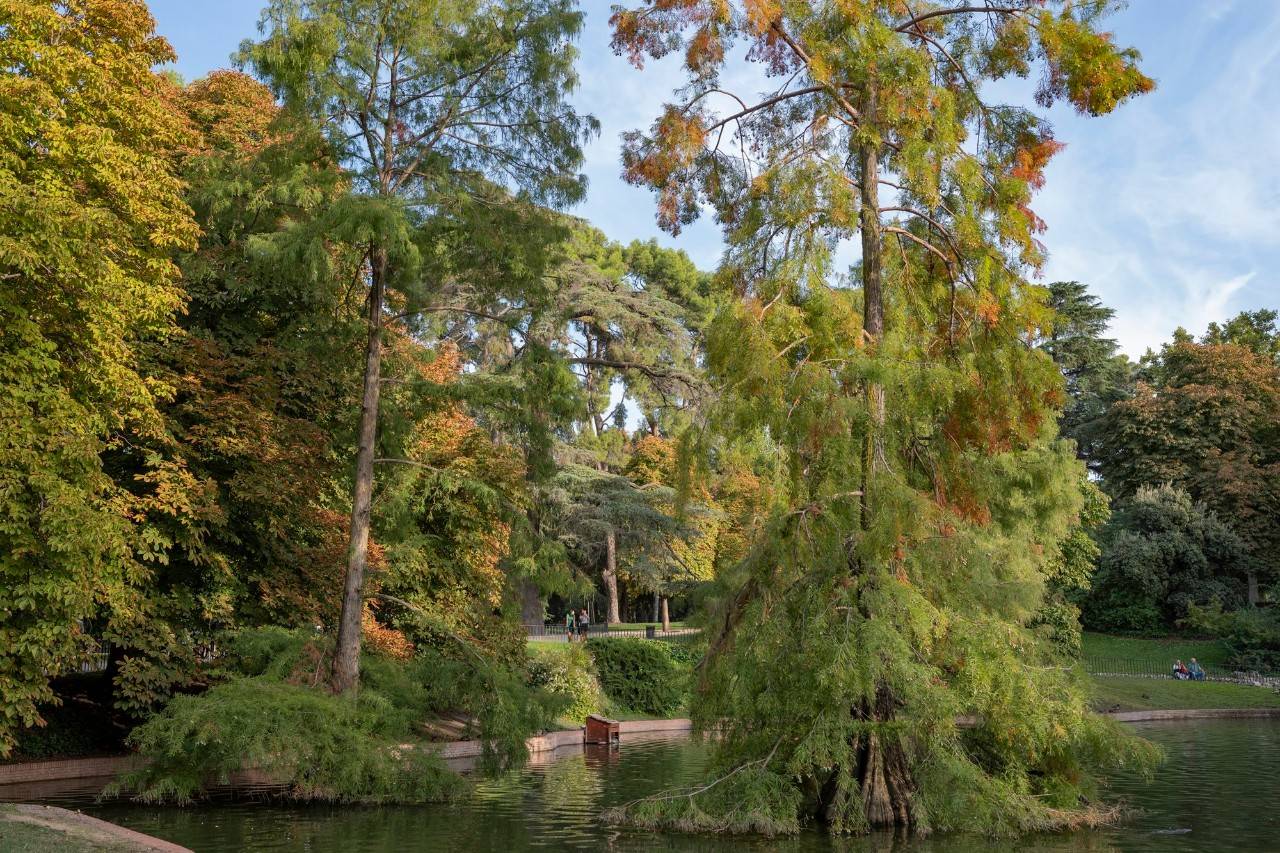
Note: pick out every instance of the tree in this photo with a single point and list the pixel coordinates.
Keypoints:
(1204, 419)
(925, 497)
(428, 104)
(1255, 330)
(1096, 375)
(90, 211)
(261, 368)
(1163, 555)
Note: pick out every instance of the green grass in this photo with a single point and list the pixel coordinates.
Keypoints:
(640, 626)
(1160, 694)
(17, 836)
(1155, 650)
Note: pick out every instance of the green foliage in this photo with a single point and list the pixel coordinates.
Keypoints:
(1162, 553)
(1252, 634)
(746, 800)
(921, 499)
(640, 675)
(1204, 421)
(1096, 375)
(91, 211)
(274, 713)
(1069, 576)
(566, 670)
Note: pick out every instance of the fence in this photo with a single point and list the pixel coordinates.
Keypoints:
(1129, 668)
(556, 631)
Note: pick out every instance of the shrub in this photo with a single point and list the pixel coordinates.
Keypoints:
(640, 675)
(566, 671)
(273, 712)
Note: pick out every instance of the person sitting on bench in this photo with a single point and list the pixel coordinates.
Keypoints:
(1197, 671)
(1180, 671)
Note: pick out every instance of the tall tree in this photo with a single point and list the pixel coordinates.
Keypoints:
(1206, 419)
(429, 102)
(261, 369)
(91, 210)
(1096, 374)
(926, 498)
(1255, 330)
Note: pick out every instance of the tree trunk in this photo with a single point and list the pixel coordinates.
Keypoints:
(655, 607)
(533, 609)
(611, 577)
(1254, 597)
(666, 615)
(346, 660)
(872, 296)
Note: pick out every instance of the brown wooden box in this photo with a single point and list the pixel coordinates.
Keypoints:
(602, 730)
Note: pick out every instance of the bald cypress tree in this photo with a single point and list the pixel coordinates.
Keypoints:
(926, 495)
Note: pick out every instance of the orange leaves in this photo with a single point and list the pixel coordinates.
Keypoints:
(1030, 159)
(761, 14)
(382, 640)
(664, 160)
(1086, 67)
(988, 311)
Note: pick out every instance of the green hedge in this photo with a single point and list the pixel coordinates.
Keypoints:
(565, 670)
(640, 675)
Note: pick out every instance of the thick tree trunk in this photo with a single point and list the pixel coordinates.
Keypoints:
(1254, 597)
(655, 608)
(611, 577)
(532, 607)
(346, 660)
(666, 615)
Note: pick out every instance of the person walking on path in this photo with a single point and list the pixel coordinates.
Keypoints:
(568, 626)
(584, 622)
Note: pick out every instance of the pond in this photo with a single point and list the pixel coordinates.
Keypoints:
(1219, 789)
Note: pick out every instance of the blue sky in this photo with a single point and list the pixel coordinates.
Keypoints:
(1169, 208)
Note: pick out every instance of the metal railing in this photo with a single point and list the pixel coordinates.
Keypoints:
(557, 631)
(1129, 668)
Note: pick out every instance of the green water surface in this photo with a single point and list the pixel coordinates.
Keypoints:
(1218, 790)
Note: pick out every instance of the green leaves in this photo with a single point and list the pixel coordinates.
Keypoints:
(90, 212)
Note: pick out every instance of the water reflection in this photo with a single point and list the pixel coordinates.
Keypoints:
(1218, 791)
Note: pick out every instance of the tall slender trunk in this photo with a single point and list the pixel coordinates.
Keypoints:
(346, 660)
(1252, 580)
(655, 607)
(666, 615)
(872, 295)
(611, 577)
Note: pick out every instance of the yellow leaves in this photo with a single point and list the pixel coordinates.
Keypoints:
(761, 14)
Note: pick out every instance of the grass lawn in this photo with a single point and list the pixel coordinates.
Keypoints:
(1144, 694)
(640, 626)
(1162, 651)
(20, 833)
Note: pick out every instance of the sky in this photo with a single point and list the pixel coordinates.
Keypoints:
(1169, 208)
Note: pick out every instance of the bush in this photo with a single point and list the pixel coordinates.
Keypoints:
(274, 713)
(1252, 633)
(640, 675)
(566, 671)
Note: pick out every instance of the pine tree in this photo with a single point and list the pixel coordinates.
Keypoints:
(1096, 374)
(925, 495)
(431, 106)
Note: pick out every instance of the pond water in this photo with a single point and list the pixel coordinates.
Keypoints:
(1218, 790)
